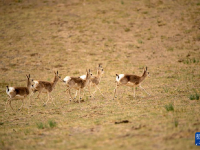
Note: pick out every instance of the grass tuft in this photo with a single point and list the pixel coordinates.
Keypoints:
(40, 125)
(169, 107)
(194, 97)
(52, 124)
(176, 122)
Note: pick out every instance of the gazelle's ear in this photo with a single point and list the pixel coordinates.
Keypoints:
(57, 72)
(146, 68)
(29, 75)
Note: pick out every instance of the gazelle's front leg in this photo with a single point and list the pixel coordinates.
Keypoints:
(89, 88)
(79, 94)
(52, 100)
(47, 99)
(99, 90)
(143, 89)
(94, 91)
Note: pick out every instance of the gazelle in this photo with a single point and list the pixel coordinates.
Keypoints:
(95, 80)
(45, 87)
(77, 83)
(130, 80)
(18, 93)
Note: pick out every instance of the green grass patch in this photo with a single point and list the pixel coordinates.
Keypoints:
(194, 96)
(176, 122)
(40, 125)
(127, 29)
(52, 124)
(190, 61)
(169, 107)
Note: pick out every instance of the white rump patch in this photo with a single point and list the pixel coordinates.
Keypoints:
(83, 77)
(11, 89)
(67, 78)
(119, 77)
(35, 83)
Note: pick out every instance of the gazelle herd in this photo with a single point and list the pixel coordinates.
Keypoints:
(78, 83)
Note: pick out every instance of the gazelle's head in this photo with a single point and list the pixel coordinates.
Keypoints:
(88, 74)
(29, 81)
(100, 70)
(57, 77)
(146, 73)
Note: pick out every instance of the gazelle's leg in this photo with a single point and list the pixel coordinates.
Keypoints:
(83, 91)
(75, 94)
(11, 105)
(89, 88)
(67, 91)
(52, 100)
(115, 90)
(94, 90)
(7, 103)
(70, 95)
(29, 102)
(39, 92)
(143, 89)
(47, 99)
(134, 91)
(22, 104)
(99, 90)
(79, 94)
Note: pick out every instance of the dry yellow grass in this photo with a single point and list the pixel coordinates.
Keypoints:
(39, 37)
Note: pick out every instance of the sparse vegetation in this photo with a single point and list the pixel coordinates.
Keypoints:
(194, 96)
(190, 61)
(40, 37)
(40, 125)
(52, 124)
(169, 107)
(176, 122)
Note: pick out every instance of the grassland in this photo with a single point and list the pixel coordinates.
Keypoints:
(39, 37)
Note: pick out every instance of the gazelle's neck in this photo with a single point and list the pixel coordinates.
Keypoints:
(144, 75)
(29, 84)
(54, 81)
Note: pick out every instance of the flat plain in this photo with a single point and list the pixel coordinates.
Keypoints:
(69, 36)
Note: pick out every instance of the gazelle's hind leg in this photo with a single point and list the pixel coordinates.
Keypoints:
(76, 94)
(8, 101)
(69, 94)
(22, 104)
(134, 91)
(79, 95)
(115, 90)
(143, 89)
(11, 105)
